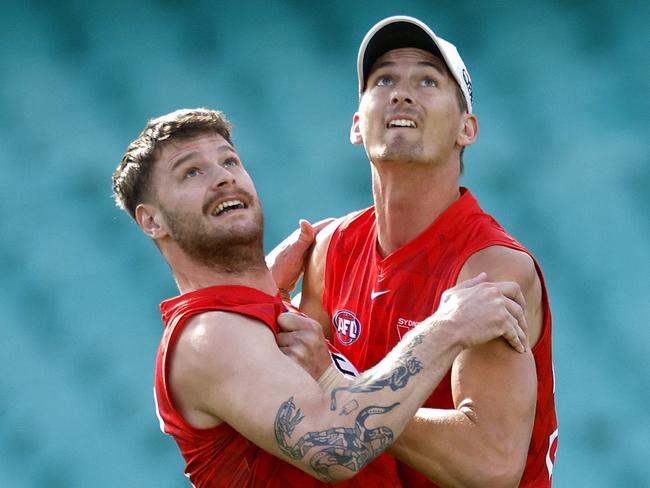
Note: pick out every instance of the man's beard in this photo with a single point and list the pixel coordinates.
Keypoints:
(237, 249)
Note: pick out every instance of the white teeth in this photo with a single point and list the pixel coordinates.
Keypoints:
(227, 204)
(402, 123)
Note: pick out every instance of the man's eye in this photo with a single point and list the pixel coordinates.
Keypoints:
(229, 163)
(192, 172)
(429, 82)
(385, 81)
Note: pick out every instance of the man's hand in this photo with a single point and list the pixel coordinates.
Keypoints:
(480, 311)
(287, 260)
(303, 341)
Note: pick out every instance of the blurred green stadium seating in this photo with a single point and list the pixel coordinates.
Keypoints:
(562, 93)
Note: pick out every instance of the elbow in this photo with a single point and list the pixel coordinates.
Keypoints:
(335, 474)
(499, 458)
(499, 465)
(335, 478)
(340, 479)
(502, 480)
(503, 470)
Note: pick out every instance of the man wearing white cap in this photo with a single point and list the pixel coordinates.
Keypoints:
(377, 272)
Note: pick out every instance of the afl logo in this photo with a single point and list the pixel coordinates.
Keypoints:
(347, 325)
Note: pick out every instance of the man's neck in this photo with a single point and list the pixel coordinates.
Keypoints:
(408, 199)
(191, 275)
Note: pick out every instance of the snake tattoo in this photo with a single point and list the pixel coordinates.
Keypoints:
(350, 447)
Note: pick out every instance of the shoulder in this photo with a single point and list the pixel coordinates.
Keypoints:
(324, 237)
(502, 263)
(211, 340)
(208, 330)
(313, 285)
(318, 255)
(348, 225)
(206, 356)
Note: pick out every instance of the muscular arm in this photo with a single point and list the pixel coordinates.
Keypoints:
(221, 358)
(484, 440)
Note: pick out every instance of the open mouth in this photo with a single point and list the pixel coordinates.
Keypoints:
(401, 123)
(228, 206)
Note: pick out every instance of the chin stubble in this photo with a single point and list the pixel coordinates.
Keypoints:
(233, 251)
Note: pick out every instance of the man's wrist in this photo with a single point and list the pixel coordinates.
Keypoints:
(332, 378)
(447, 334)
(284, 293)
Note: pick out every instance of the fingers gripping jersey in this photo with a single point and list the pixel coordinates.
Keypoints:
(373, 301)
(220, 456)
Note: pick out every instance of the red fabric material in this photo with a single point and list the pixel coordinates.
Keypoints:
(373, 301)
(220, 457)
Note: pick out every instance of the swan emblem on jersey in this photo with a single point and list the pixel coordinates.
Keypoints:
(347, 327)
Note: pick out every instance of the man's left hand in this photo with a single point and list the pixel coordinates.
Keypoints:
(287, 260)
(303, 341)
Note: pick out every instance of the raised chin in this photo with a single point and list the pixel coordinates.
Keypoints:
(398, 150)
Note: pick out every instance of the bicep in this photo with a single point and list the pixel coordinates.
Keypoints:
(499, 361)
(494, 392)
(496, 386)
(493, 384)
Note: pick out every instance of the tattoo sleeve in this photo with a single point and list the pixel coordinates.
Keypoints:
(395, 379)
(349, 447)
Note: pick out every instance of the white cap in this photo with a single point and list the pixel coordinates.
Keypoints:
(403, 31)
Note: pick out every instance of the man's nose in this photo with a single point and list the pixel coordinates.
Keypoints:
(401, 93)
(222, 178)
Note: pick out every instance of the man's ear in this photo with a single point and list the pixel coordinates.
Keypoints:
(150, 220)
(355, 133)
(468, 131)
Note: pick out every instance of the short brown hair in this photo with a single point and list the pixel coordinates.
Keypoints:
(132, 176)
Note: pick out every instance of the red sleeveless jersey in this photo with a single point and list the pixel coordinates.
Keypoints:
(219, 456)
(372, 301)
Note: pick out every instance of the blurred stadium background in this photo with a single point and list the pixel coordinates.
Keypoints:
(563, 95)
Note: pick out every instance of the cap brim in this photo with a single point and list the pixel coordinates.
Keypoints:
(394, 36)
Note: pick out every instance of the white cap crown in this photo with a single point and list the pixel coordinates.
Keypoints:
(403, 31)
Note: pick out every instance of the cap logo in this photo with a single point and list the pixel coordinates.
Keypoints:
(468, 84)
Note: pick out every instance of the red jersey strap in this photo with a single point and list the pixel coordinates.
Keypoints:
(242, 300)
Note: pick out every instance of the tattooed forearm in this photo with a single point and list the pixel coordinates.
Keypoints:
(394, 379)
(349, 447)
(349, 407)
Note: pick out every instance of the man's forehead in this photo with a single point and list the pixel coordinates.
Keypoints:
(177, 146)
(409, 54)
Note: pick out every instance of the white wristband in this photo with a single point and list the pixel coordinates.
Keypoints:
(331, 378)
